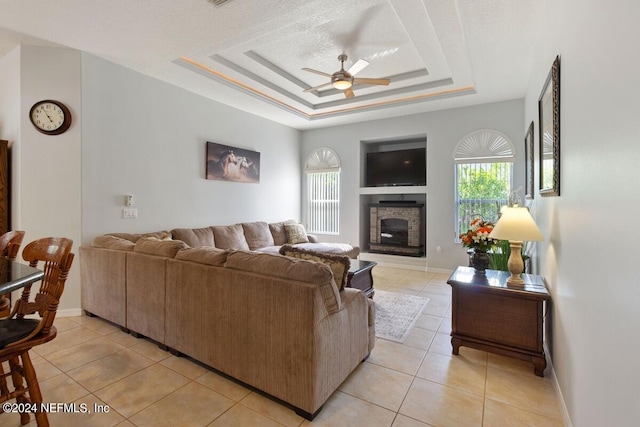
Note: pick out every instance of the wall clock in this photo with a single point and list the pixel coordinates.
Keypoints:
(50, 117)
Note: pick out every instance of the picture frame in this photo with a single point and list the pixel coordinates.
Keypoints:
(227, 163)
(528, 163)
(549, 132)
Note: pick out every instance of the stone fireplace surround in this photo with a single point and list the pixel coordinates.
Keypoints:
(410, 213)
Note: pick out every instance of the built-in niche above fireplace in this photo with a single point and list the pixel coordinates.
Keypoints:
(396, 228)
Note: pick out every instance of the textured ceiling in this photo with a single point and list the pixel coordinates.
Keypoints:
(249, 54)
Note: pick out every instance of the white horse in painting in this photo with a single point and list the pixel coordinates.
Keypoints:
(239, 170)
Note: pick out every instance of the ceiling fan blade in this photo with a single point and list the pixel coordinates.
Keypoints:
(322, 73)
(348, 93)
(317, 87)
(360, 65)
(371, 81)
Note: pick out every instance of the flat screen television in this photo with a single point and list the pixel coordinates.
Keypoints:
(396, 168)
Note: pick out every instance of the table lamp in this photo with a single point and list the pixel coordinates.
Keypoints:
(516, 225)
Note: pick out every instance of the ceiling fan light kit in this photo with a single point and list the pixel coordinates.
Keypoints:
(344, 80)
(342, 84)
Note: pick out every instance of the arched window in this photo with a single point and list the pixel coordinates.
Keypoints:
(322, 169)
(483, 175)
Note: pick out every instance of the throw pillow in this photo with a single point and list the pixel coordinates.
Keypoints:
(296, 233)
(257, 235)
(278, 232)
(194, 237)
(339, 264)
(229, 237)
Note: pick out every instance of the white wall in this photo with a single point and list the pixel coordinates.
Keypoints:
(46, 184)
(131, 134)
(443, 130)
(589, 257)
(147, 138)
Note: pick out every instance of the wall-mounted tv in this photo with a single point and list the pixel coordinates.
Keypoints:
(396, 168)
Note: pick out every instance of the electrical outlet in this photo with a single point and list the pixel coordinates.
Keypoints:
(129, 213)
(439, 250)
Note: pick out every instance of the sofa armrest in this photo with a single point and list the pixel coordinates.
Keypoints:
(103, 283)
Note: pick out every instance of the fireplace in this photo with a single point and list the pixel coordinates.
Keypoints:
(394, 231)
(395, 228)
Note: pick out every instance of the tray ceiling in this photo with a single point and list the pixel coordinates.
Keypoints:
(249, 54)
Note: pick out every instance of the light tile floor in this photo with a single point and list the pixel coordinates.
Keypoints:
(418, 383)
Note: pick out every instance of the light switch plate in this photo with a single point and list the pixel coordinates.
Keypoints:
(129, 213)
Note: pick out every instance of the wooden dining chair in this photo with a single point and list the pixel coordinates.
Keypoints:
(9, 247)
(19, 334)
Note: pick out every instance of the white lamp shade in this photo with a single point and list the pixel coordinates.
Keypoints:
(516, 223)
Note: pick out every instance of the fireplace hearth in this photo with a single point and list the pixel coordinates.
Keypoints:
(395, 228)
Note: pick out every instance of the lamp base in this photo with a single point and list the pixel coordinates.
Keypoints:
(515, 264)
(515, 280)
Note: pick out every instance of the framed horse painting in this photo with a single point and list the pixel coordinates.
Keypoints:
(228, 163)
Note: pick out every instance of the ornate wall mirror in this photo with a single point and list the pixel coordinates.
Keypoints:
(549, 123)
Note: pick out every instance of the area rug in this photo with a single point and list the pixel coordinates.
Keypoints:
(396, 314)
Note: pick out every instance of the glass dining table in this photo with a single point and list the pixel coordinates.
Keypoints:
(14, 275)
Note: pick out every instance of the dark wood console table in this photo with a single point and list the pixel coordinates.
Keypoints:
(489, 314)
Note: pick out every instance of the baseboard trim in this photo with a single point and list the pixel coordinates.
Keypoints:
(402, 262)
(69, 312)
(556, 385)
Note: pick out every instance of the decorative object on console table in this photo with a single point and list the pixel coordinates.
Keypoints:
(489, 314)
(480, 260)
(477, 239)
(516, 225)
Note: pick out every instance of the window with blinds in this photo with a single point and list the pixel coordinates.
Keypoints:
(483, 176)
(323, 192)
(324, 202)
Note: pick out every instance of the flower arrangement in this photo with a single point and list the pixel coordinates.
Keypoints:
(477, 236)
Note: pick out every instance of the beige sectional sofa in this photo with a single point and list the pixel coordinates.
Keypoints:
(279, 324)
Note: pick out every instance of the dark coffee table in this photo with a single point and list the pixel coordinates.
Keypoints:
(360, 277)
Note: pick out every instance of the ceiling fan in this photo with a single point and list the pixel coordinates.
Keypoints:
(344, 80)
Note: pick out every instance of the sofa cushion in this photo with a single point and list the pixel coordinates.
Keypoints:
(204, 255)
(257, 234)
(296, 233)
(113, 242)
(230, 237)
(194, 237)
(154, 246)
(278, 232)
(162, 235)
(289, 268)
(339, 264)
